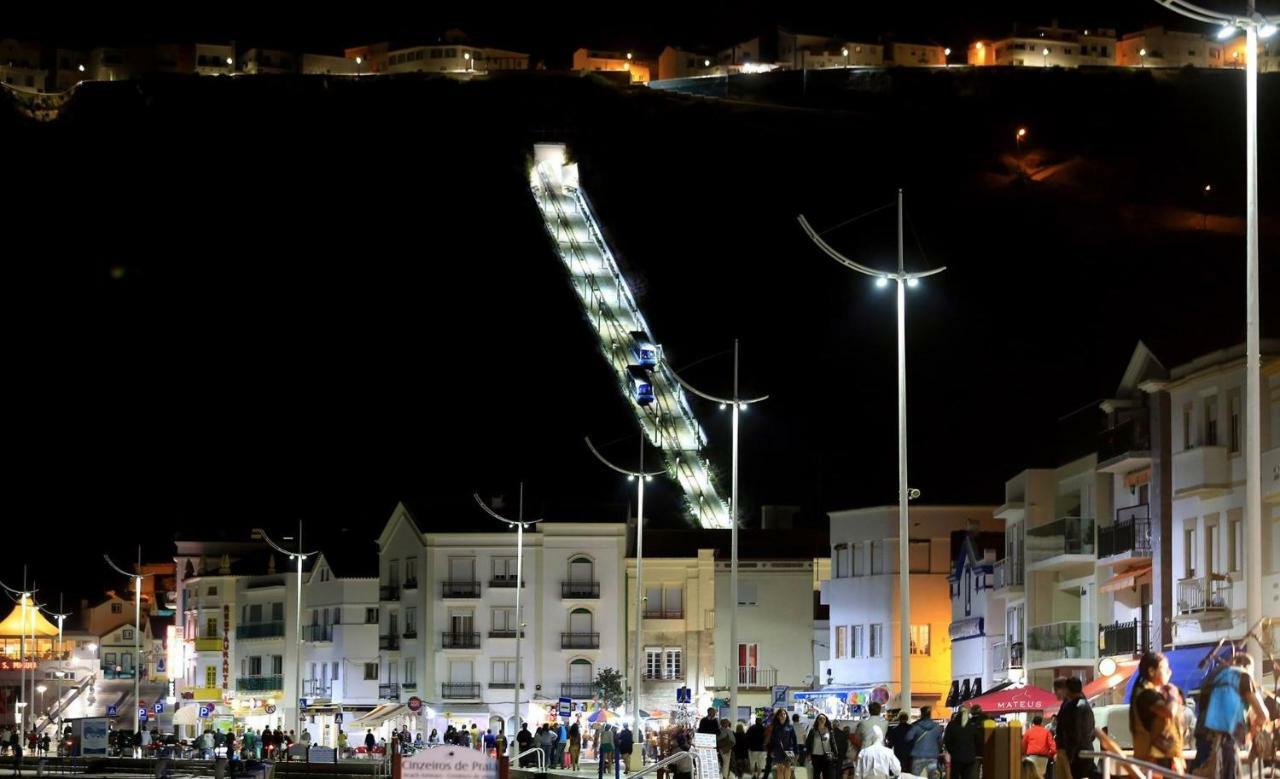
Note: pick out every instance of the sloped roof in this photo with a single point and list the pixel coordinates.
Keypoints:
(25, 615)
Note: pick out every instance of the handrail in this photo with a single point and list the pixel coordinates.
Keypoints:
(668, 760)
(542, 758)
(1134, 763)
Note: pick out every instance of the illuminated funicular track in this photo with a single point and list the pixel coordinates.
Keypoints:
(659, 402)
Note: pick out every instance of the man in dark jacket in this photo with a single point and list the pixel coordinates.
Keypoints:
(626, 741)
(710, 723)
(899, 740)
(1076, 730)
(755, 748)
(926, 744)
(524, 740)
(959, 742)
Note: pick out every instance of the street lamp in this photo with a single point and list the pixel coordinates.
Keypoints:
(845, 52)
(1018, 136)
(300, 556)
(466, 55)
(628, 56)
(1142, 58)
(40, 688)
(1045, 53)
(1204, 208)
(904, 279)
(739, 404)
(946, 57)
(137, 628)
(639, 476)
(520, 525)
(1255, 26)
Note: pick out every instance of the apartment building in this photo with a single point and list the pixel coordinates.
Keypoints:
(973, 637)
(20, 65)
(256, 61)
(684, 63)
(639, 69)
(1158, 47)
(916, 55)
(1048, 47)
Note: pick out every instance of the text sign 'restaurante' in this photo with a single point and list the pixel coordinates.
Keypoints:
(449, 763)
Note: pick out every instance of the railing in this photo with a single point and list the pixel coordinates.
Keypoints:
(692, 757)
(409, 633)
(579, 690)
(1133, 764)
(411, 584)
(1017, 654)
(389, 691)
(1125, 638)
(537, 752)
(318, 688)
(459, 690)
(260, 630)
(1130, 533)
(389, 643)
(504, 685)
(1007, 572)
(460, 589)
(1064, 536)
(209, 644)
(460, 640)
(388, 592)
(754, 676)
(504, 634)
(579, 589)
(660, 613)
(1000, 656)
(117, 673)
(1062, 641)
(579, 640)
(663, 676)
(317, 632)
(1132, 435)
(260, 683)
(1204, 593)
(508, 582)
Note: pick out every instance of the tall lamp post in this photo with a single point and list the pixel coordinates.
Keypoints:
(299, 556)
(639, 476)
(904, 279)
(137, 630)
(26, 600)
(739, 404)
(520, 524)
(1255, 26)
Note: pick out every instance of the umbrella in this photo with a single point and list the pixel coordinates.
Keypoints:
(655, 714)
(1016, 699)
(599, 715)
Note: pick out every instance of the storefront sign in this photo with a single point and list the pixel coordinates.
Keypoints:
(17, 665)
(704, 748)
(453, 764)
(93, 736)
(226, 646)
(322, 755)
(415, 704)
(173, 648)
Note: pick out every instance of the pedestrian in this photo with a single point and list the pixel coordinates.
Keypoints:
(475, 741)
(801, 732)
(741, 755)
(925, 736)
(608, 753)
(342, 743)
(756, 748)
(782, 745)
(15, 746)
(44, 744)
(898, 738)
(434, 738)
(575, 744)
(1229, 697)
(1155, 715)
(711, 723)
(369, 741)
(873, 720)
(499, 741)
(1076, 730)
(1038, 746)
(821, 748)
(875, 760)
(961, 748)
(562, 743)
(625, 743)
(524, 742)
(724, 747)
(490, 743)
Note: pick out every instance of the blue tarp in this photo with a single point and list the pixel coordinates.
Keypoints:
(1184, 664)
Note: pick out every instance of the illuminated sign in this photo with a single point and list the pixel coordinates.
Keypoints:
(18, 665)
(226, 647)
(173, 648)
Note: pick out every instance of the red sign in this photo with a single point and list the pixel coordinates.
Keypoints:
(18, 665)
(415, 704)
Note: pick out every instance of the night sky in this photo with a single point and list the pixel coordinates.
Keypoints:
(233, 305)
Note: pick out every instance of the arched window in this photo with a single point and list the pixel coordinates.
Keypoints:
(581, 570)
(581, 633)
(580, 621)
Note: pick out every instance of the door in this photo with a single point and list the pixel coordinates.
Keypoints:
(462, 569)
(748, 663)
(580, 672)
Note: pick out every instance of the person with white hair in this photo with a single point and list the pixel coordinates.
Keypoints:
(875, 760)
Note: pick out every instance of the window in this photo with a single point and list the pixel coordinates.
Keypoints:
(855, 641)
(277, 664)
(370, 672)
(126, 634)
(1186, 426)
(337, 615)
(875, 644)
(211, 591)
(919, 551)
(1211, 420)
(1235, 542)
(1233, 419)
(211, 627)
(393, 572)
(277, 612)
(877, 557)
(211, 676)
(411, 621)
(503, 620)
(410, 671)
(748, 594)
(109, 659)
(255, 666)
(1213, 543)
(748, 655)
(856, 565)
(371, 616)
(253, 614)
(333, 670)
(920, 640)
(842, 637)
(1189, 550)
(504, 569)
(653, 662)
(502, 672)
(117, 608)
(411, 570)
(841, 555)
(672, 663)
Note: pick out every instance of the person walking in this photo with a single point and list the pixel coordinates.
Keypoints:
(801, 732)
(898, 738)
(756, 748)
(369, 741)
(575, 744)
(1039, 747)
(724, 747)
(925, 736)
(626, 742)
(15, 746)
(782, 746)
(863, 734)
(1076, 730)
(608, 752)
(475, 737)
(821, 748)
(959, 743)
(710, 724)
(1155, 715)
(1230, 697)
(741, 755)
(875, 760)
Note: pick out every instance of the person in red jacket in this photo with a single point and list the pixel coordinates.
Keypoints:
(1038, 744)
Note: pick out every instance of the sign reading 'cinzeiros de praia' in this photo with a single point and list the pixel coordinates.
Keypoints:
(446, 763)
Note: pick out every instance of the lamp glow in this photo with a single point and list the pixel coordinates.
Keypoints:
(1266, 30)
(1022, 132)
(706, 63)
(80, 68)
(1142, 52)
(229, 62)
(913, 282)
(947, 51)
(723, 406)
(1106, 666)
(1226, 31)
(1045, 52)
(359, 60)
(844, 52)
(882, 282)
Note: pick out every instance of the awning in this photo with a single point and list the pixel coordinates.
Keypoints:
(1184, 663)
(1098, 686)
(1016, 699)
(1134, 478)
(379, 715)
(187, 715)
(1125, 580)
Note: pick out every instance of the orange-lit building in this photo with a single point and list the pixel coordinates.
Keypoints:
(916, 55)
(590, 61)
(1156, 47)
(682, 63)
(1047, 47)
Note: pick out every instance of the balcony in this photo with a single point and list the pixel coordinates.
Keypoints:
(1129, 639)
(411, 584)
(389, 643)
(116, 672)
(409, 634)
(579, 589)
(579, 690)
(209, 644)
(388, 592)
(754, 677)
(460, 590)
(504, 633)
(1125, 447)
(460, 640)
(663, 676)
(1008, 575)
(1006, 656)
(661, 613)
(260, 683)
(579, 640)
(503, 582)
(260, 630)
(1129, 537)
(1061, 543)
(389, 692)
(459, 691)
(315, 688)
(317, 632)
(504, 685)
(1204, 596)
(1203, 471)
(1059, 641)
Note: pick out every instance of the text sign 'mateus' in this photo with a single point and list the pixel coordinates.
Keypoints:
(450, 764)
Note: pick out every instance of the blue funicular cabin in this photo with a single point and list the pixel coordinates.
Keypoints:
(643, 351)
(641, 387)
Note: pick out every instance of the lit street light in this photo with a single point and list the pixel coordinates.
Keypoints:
(1255, 26)
(904, 279)
(1045, 53)
(520, 525)
(300, 556)
(137, 627)
(739, 405)
(1142, 57)
(845, 52)
(1018, 136)
(40, 688)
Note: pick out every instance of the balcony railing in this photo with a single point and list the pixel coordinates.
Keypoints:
(460, 640)
(454, 691)
(1000, 656)
(389, 692)
(260, 630)
(1132, 435)
(389, 643)
(411, 584)
(579, 589)
(579, 640)
(1204, 594)
(389, 592)
(578, 690)
(505, 633)
(260, 683)
(507, 582)
(209, 644)
(663, 676)
(754, 676)
(461, 589)
(317, 632)
(1065, 536)
(315, 688)
(1131, 533)
(1124, 638)
(1007, 572)
(504, 685)
(409, 633)
(1062, 641)
(661, 613)
(116, 673)
(1017, 655)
